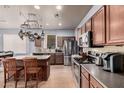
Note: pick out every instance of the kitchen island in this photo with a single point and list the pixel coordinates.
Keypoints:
(96, 77)
(57, 58)
(43, 62)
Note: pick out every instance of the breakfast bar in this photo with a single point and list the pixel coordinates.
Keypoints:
(43, 62)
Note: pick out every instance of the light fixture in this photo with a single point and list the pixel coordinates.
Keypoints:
(42, 34)
(59, 7)
(60, 24)
(30, 24)
(47, 24)
(36, 6)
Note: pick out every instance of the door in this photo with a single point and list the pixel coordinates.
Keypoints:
(115, 24)
(98, 27)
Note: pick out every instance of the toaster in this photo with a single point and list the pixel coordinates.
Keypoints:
(113, 62)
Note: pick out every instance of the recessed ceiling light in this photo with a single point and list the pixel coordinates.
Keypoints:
(60, 24)
(36, 6)
(47, 24)
(59, 7)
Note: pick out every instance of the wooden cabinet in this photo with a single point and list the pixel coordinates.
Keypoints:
(98, 27)
(88, 25)
(94, 83)
(85, 73)
(59, 58)
(87, 80)
(84, 82)
(83, 29)
(115, 24)
(84, 79)
(69, 38)
(52, 58)
(80, 31)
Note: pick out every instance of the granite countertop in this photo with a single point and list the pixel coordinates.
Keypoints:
(76, 56)
(107, 79)
(40, 57)
(45, 52)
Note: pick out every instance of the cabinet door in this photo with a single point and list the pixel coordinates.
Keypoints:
(52, 59)
(59, 58)
(88, 26)
(94, 83)
(98, 27)
(115, 24)
(80, 31)
(83, 29)
(84, 82)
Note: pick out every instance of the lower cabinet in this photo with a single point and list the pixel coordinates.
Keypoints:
(55, 59)
(88, 81)
(52, 59)
(84, 82)
(94, 83)
(59, 58)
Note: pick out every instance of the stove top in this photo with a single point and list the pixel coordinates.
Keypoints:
(80, 61)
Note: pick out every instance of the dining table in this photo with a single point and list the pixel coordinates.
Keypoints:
(43, 63)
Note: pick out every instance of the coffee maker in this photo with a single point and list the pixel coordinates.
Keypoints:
(113, 62)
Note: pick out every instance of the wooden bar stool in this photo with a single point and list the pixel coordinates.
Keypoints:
(31, 68)
(10, 70)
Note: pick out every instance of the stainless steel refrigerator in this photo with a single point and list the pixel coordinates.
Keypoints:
(70, 47)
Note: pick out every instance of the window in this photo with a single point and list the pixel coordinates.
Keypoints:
(51, 41)
(13, 43)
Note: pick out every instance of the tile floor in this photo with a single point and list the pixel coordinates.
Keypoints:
(60, 77)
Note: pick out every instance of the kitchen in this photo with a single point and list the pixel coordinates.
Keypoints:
(92, 52)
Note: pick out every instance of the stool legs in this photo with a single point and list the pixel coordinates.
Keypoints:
(37, 77)
(4, 80)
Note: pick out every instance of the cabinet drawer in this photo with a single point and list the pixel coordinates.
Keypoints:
(94, 83)
(85, 73)
(91, 86)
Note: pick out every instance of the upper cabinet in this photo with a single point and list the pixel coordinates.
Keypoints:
(83, 29)
(98, 27)
(107, 26)
(115, 24)
(88, 26)
(80, 31)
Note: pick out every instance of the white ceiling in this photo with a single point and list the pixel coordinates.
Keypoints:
(13, 16)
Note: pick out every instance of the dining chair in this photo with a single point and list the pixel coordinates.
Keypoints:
(31, 68)
(10, 70)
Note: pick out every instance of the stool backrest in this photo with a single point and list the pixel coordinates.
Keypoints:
(9, 64)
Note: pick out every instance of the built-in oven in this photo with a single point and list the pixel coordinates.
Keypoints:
(76, 71)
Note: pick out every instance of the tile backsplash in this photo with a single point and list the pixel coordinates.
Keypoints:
(106, 49)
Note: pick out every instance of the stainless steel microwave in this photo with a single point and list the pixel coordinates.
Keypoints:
(81, 41)
(87, 39)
